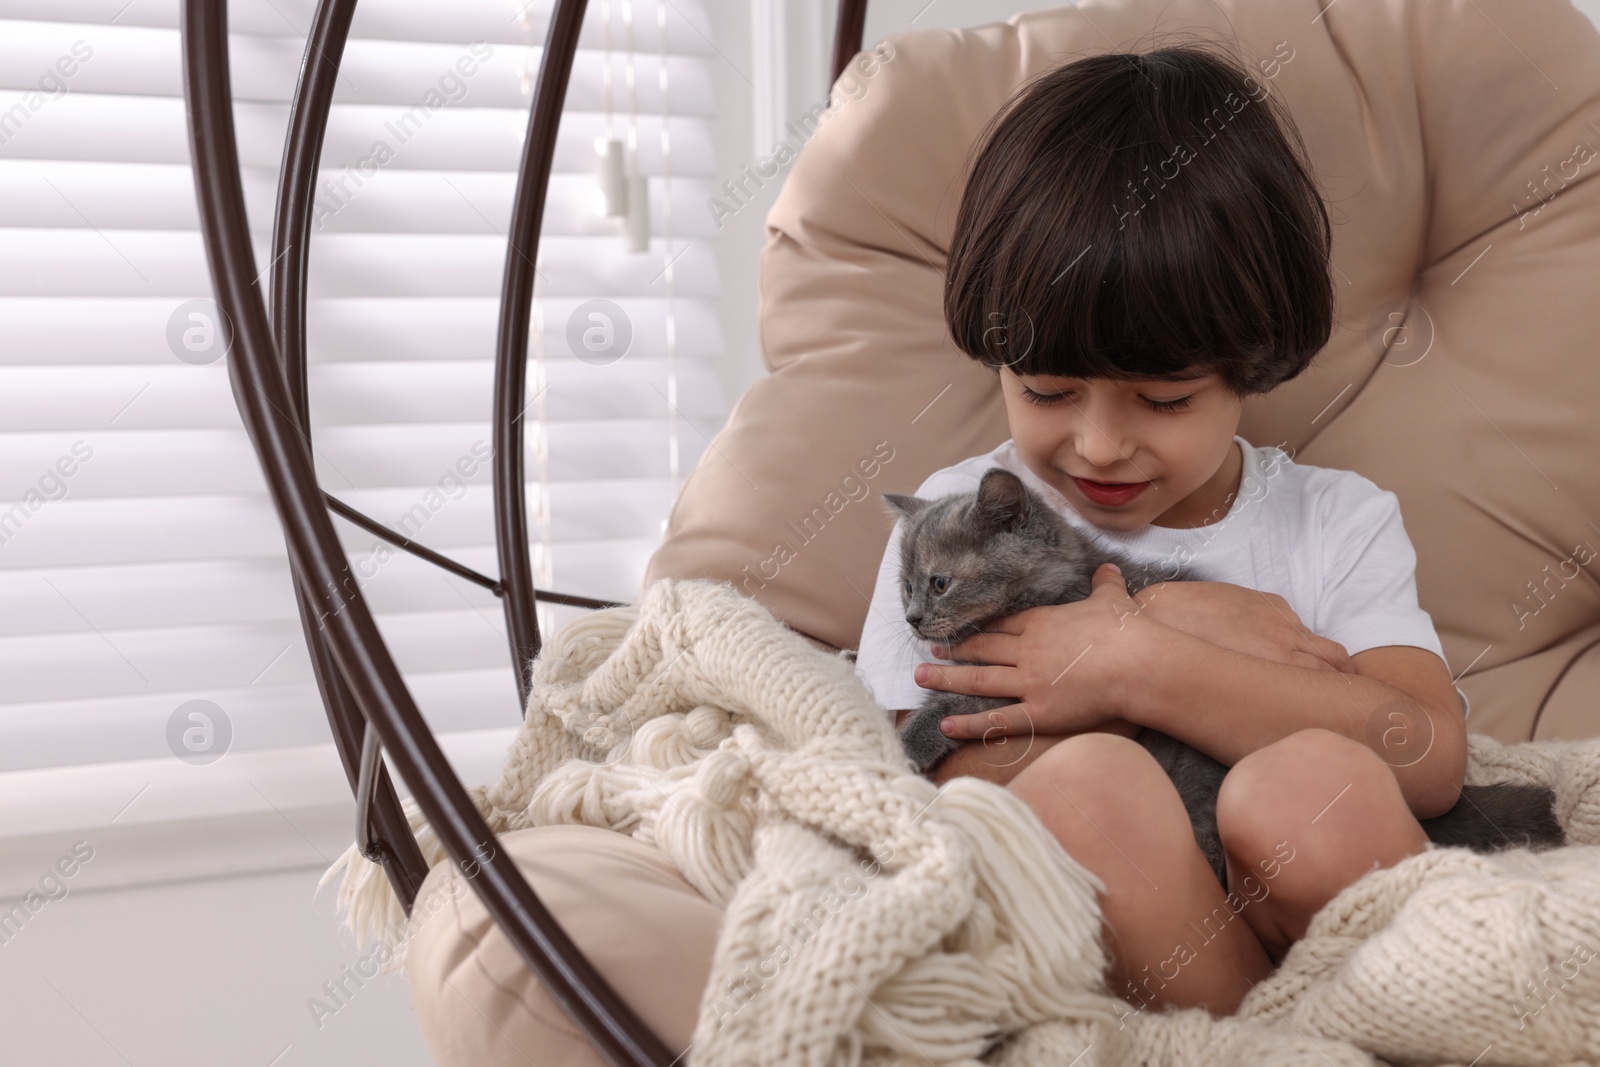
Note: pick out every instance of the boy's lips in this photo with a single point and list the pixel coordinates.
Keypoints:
(1109, 494)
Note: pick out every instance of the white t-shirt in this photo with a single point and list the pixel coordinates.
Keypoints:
(1330, 542)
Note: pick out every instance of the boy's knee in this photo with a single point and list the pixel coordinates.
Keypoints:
(1110, 780)
(1291, 764)
(1085, 761)
(1288, 787)
(1287, 810)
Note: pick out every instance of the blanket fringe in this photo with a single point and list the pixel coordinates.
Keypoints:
(365, 897)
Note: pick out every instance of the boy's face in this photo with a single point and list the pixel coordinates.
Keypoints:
(1107, 431)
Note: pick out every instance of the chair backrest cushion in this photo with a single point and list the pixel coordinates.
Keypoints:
(1454, 147)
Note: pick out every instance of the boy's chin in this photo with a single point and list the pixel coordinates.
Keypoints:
(1124, 519)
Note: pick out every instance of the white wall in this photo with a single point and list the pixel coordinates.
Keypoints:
(218, 968)
(197, 974)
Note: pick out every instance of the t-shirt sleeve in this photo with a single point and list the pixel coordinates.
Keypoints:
(890, 649)
(1369, 586)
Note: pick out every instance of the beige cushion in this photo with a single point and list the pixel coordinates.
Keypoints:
(649, 932)
(1424, 125)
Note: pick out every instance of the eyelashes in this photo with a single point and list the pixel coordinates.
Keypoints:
(1048, 399)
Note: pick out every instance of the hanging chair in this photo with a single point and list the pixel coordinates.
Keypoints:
(1452, 159)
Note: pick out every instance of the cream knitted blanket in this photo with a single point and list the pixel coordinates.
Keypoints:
(874, 918)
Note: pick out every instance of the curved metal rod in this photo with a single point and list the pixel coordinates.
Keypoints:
(445, 562)
(422, 552)
(573, 601)
(366, 784)
(382, 829)
(511, 343)
(847, 34)
(264, 405)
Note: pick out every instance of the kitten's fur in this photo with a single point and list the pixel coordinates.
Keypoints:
(1000, 550)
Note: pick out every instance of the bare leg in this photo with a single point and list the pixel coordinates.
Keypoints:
(1310, 813)
(1174, 939)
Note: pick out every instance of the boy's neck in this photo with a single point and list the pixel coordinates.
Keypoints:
(1211, 502)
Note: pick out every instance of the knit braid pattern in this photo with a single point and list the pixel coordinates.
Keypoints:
(873, 919)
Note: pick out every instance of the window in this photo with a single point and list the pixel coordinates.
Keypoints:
(141, 563)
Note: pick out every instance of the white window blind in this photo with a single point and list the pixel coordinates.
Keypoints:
(141, 563)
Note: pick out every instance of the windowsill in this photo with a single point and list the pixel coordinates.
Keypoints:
(163, 820)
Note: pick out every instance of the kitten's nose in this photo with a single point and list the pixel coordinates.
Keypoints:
(914, 618)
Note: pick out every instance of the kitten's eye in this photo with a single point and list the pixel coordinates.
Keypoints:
(940, 583)
(906, 585)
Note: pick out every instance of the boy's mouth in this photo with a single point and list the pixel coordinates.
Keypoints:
(1110, 494)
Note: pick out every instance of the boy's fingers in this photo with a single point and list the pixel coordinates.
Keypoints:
(1334, 653)
(1322, 655)
(1000, 722)
(982, 681)
(1108, 574)
(997, 648)
(1010, 624)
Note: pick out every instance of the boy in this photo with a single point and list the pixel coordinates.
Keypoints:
(1133, 280)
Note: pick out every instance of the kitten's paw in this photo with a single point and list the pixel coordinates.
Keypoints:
(924, 742)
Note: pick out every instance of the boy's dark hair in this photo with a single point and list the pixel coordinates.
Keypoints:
(1142, 216)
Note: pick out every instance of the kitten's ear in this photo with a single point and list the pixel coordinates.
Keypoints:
(1003, 502)
(905, 504)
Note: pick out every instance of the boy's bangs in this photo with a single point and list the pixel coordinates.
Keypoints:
(1138, 309)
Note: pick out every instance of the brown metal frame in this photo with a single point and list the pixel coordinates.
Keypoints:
(852, 22)
(368, 706)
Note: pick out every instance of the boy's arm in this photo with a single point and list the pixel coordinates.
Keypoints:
(1246, 620)
(1398, 698)
(1399, 701)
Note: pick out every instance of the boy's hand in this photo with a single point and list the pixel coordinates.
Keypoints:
(1246, 620)
(1064, 664)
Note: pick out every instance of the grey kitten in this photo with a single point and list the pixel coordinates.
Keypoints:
(971, 558)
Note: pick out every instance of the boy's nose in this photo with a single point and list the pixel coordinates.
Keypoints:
(1099, 454)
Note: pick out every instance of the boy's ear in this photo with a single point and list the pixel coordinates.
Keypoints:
(1003, 502)
(905, 504)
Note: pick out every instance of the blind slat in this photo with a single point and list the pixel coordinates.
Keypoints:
(169, 262)
(397, 20)
(416, 78)
(104, 663)
(172, 462)
(178, 396)
(582, 513)
(121, 330)
(72, 666)
(222, 592)
(85, 126)
(122, 196)
(159, 530)
(133, 726)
